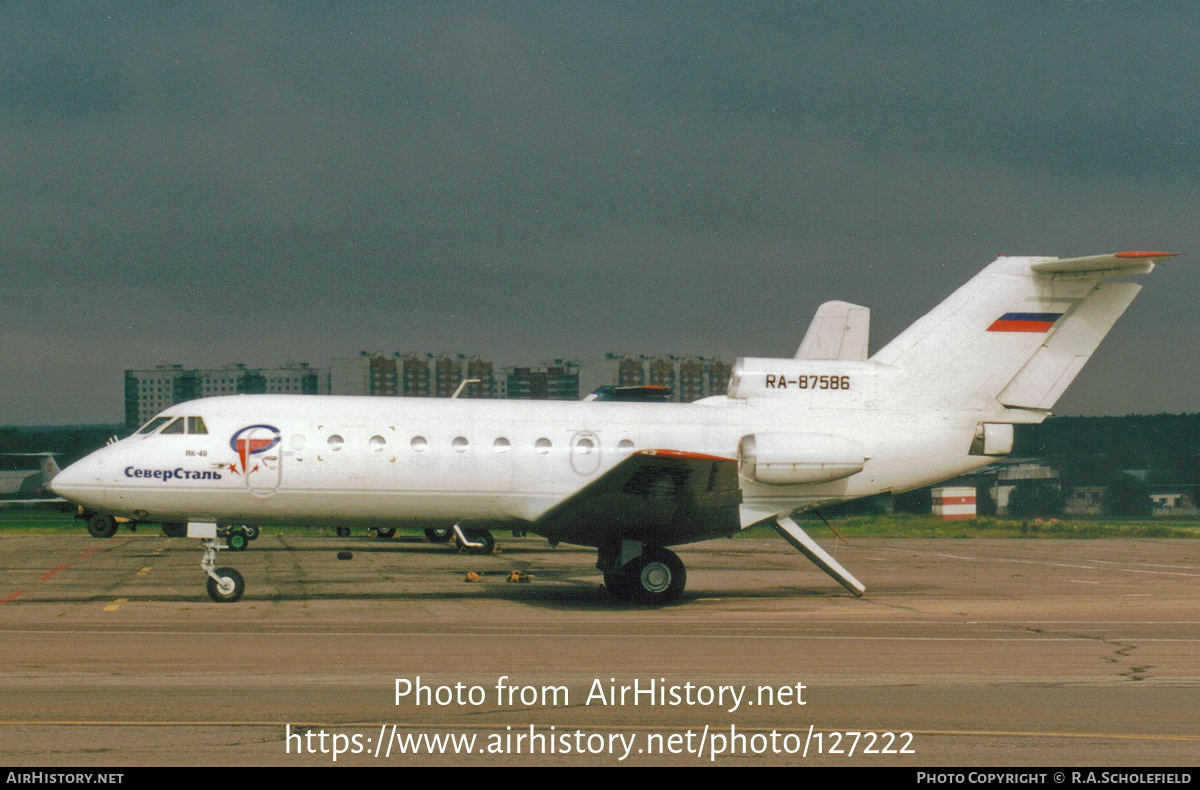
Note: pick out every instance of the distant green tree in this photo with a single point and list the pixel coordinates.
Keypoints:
(1126, 495)
(919, 501)
(1036, 498)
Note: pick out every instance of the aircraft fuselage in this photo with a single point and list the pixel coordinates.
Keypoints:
(385, 462)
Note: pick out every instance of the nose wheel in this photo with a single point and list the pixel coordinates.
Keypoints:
(225, 585)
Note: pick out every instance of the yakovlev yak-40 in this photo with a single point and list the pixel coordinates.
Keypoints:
(628, 478)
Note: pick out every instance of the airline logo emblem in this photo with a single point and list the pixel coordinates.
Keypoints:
(1024, 322)
(251, 441)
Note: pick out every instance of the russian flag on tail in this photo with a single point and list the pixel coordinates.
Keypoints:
(1024, 322)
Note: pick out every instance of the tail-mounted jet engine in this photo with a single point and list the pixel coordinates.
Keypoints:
(784, 459)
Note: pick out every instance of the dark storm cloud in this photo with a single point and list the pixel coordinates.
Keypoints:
(204, 183)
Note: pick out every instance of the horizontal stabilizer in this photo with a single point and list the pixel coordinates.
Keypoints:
(1114, 265)
(839, 330)
(792, 533)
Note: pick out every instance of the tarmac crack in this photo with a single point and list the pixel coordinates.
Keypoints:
(1120, 657)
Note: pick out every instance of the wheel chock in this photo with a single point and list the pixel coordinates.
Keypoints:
(473, 577)
(520, 577)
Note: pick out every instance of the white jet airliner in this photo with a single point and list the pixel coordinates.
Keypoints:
(629, 478)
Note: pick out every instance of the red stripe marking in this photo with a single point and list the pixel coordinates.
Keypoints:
(1141, 254)
(48, 574)
(89, 552)
(954, 500)
(682, 454)
(1020, 326)
(12, 597)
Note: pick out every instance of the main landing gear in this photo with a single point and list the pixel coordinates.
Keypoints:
(102, 526)
(474, 541)
(643, 574)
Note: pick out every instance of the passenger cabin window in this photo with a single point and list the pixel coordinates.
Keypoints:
(154, 425)
(196, 425)
(175, 427)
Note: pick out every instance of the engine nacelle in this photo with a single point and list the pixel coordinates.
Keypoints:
(782, 459)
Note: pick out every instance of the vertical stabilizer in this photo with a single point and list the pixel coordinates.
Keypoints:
(1014, 335)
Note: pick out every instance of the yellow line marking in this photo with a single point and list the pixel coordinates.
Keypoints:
(144, 571)
(112, 607)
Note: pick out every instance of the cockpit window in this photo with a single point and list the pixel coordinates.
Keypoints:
(196, 425)
(175, 427)
(153, 425)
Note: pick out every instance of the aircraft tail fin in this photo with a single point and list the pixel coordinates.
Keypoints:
(1016, 334)
(49, 468)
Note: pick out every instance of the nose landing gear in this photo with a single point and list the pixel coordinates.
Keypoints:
(225, 585)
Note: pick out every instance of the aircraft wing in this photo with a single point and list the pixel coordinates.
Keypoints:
(21, 502)
(661, 497)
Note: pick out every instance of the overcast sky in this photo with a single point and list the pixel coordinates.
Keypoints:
(205, 183)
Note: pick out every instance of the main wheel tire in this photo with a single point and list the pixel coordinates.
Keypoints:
(385, 533)
(619, 586)
(440, 535)
(102, 526)
(230, 587)
(656, 578)
(484, 537)
(175, 529)
(343, 532)
(237, 541)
